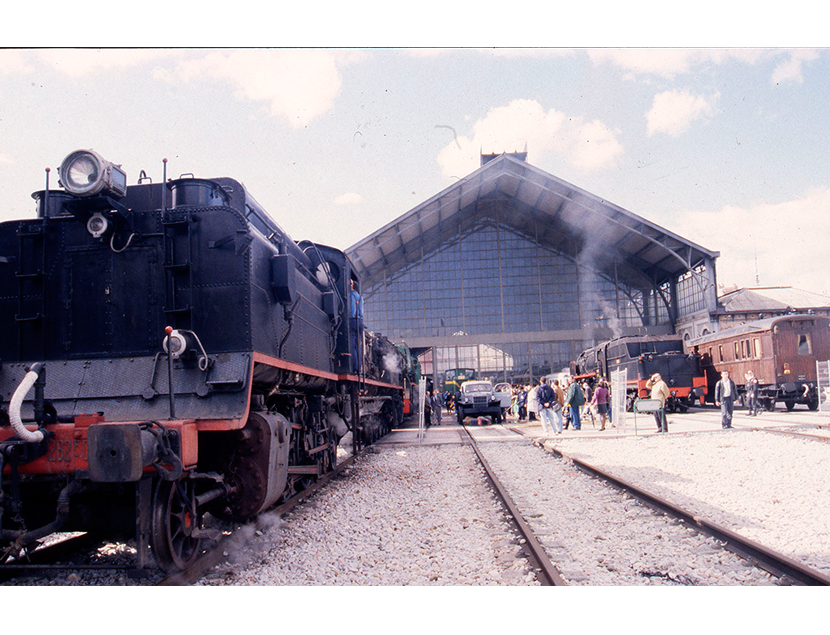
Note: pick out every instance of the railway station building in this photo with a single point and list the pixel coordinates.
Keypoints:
(737, 306)
(512, 272)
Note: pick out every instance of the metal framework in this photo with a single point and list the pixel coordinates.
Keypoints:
(627, 247)
(656, 275)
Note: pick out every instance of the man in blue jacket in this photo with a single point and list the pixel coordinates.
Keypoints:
(356, 327)
(546, 397)
(575, 398)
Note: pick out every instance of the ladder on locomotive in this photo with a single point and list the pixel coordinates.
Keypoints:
(178, 267)
(31, 282)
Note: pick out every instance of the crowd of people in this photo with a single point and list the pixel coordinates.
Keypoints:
(559, 407)
(562, 406)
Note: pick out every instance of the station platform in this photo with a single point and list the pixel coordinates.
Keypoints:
(695, 420)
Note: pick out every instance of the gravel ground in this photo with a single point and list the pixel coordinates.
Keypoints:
(771, 488)
(597, 535)
(424, 515)
(414, 516)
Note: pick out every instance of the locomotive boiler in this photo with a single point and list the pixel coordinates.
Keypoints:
(643, 356)
(169, 353)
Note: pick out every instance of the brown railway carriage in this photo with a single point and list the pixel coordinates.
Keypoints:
(782, 353)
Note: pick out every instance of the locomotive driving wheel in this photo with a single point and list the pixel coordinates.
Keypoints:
(173, 525)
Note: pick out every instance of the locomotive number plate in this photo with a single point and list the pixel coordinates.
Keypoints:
(67, 450)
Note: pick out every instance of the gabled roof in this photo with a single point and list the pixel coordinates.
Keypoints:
(756, 326)
(757, 299)
(534, 203)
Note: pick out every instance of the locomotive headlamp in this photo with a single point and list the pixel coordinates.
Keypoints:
(97, 225)
(86, 173)
(175, 344)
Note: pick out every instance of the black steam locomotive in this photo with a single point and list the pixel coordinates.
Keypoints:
(170, 353)
(643, 356)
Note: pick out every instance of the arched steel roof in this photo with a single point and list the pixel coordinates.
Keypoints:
(560, 215)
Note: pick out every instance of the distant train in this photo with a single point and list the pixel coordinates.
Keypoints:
(170, 353)
(642, 356)
(781, 351)
(455, 377)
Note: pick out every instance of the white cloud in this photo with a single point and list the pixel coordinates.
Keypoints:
(298, 84)
(664, 62)
(789, 239)
(83, 62)
(12, 61)
(588, 145)
(670, 62)
(790, 69)
(673, 111)
(349, 198)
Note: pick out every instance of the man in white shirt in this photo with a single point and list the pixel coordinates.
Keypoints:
(725, 394)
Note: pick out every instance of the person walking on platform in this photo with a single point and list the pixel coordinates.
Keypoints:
(660, 392)
(558, 412)
(521, 403)
(532, 403)
(546, 397)
(574, 399)
(588, 409)
(751, 387)
(725, 393)
(436, 408)
(600, 402)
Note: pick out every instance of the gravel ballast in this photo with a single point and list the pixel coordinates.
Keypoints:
(598, 535)
(413, 516)
(425, 515)
(770, 488)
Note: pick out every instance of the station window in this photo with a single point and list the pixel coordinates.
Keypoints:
(805, 345)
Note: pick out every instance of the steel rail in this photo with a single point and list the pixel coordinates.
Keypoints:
(216, 555)
(776, 563)
(536, 553)
(42, 559)
(792, 433)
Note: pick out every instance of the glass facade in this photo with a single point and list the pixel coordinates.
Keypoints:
(505, 362)
(493, 280)
(690, 297)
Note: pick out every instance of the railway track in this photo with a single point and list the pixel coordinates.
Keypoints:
(776, 563)
(44, 557)
(548, 561)
(770, 560)
(794, 433)
(547, 573)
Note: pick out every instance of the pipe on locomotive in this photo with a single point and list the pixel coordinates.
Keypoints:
(16, 403)
(23, 538)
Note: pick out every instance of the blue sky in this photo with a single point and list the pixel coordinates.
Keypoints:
(726, 147)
